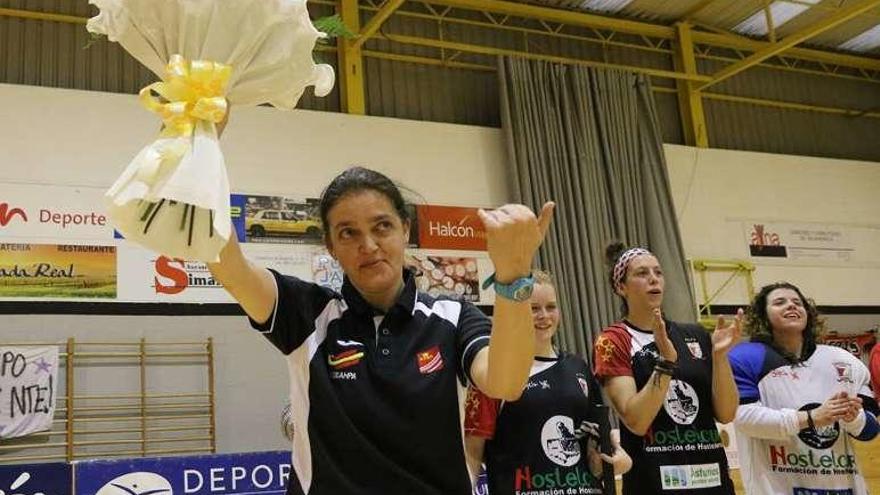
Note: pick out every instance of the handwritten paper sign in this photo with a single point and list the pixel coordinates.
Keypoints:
(28, 386)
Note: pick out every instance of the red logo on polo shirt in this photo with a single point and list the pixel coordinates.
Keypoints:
(345, 359)
(430, 360)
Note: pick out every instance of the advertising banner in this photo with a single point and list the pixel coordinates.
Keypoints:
(57, 271)
(49, 479)
(450, 227)
(221, 474)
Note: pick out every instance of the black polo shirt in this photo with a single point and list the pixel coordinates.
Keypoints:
(376, 399)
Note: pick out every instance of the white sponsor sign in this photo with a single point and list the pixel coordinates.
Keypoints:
(690, 476)
(41, 212)
(812, 243)
(145, 276)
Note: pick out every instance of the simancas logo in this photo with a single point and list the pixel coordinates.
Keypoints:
(7, 214)
(181, 274)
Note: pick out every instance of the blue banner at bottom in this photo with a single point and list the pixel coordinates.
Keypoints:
(223, 474)
(49, 479)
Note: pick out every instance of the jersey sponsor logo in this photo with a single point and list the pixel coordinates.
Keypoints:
(558, 441)
(690, 476)
(343, 375)
(820, 491)
(810, 462)
(844, 372)
(585, 387)
(430, 360)
(544, 384)
(527, 482)
(822, 437)
(785, 373)
(696, 350)
(345, 359)
(349, 343)
(682, 403)
(678, 439)
(141, 483)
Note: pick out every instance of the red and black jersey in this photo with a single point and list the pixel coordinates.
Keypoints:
(531, 446)
(682, 451)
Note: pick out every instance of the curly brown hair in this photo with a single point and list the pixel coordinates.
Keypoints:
(757, 323)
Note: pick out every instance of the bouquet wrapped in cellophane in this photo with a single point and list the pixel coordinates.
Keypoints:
(173, 197)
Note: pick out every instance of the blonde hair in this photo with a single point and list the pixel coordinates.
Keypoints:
(543, 277)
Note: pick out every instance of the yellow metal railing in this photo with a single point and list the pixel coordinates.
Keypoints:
(139, 421)
(735, 269)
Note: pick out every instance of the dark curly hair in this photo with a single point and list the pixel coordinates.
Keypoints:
(757, 323)
(357, 179)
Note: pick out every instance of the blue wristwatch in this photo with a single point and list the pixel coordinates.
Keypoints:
(519, 290)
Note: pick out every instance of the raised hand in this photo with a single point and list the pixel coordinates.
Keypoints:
(661, 338)
(726, 336)
(513, 235)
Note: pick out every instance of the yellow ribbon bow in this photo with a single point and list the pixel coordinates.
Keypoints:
(191, 91)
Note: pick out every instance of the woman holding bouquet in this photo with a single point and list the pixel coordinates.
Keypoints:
(378, 372)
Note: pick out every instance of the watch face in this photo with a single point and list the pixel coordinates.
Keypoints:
(523, 293)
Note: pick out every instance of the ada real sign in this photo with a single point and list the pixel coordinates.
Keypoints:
(223, 474)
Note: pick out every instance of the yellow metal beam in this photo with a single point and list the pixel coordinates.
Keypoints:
(488, 50)
(690, 101)
(43, 16)
(718, 39)
(731, 40)
(830, 58)
(774, 49)
(413, 59)
(351, 61)
(848, 112)
(376, 21)
(568, 17)
(696, 9)
(771, 26)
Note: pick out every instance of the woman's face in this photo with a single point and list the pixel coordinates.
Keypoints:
(545, 312)
(785, 311)
(368, 238)
(643, 285)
